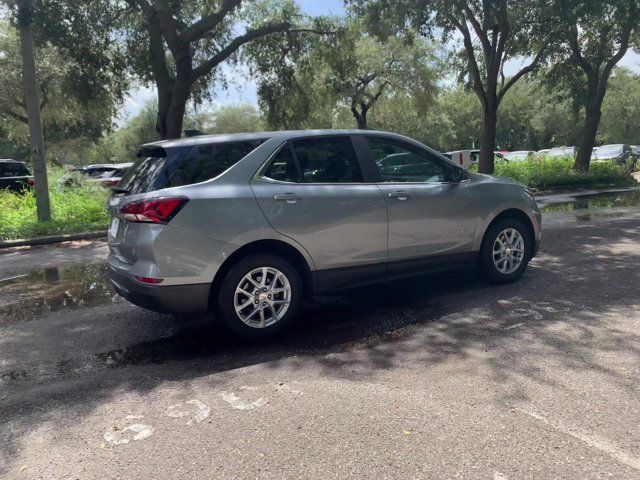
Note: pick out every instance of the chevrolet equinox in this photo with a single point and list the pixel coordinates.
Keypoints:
(247, 225)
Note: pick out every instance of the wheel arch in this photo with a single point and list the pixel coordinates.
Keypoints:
(511, 213)
(270, 246)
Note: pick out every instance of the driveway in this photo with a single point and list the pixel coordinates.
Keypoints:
(441, 377)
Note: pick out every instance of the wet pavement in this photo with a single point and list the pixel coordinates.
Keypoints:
(439, 377)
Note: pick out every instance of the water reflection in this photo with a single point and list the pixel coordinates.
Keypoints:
(597, 201)
(26, 296)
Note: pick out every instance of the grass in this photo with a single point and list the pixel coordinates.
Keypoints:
(78, 209)
(558, 172)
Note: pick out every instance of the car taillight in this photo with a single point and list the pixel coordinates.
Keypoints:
(151, 280)
(158, 210)
(111, 181)
(31, 182)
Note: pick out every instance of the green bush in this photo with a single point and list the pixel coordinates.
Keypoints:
(78, 209)
(559, 172)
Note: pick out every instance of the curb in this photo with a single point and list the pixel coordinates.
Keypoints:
(27, 242)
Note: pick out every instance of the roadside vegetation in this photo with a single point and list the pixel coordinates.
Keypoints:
(78, 209)
(542, 174)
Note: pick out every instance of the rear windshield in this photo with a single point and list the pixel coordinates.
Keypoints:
(10, 169)
(158, 168)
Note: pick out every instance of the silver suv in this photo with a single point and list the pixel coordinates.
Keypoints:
(248, 225)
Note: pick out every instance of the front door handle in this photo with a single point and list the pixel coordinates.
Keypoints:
(287, 197)
(399, 195)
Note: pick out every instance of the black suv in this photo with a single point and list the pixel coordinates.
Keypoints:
(14, 175)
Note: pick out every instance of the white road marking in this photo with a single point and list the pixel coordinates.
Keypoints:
(283, 387)
(8, 279)
(511, 327)
(123, 435)
(592, 441)
(183, 409)
(240, 404)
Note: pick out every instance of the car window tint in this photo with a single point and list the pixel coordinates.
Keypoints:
(10, 169)
(205, 162)
(328, 160)
(283, 167)
(402, 162)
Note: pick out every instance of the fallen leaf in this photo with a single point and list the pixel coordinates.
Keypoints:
(23, 468)
(407, 432)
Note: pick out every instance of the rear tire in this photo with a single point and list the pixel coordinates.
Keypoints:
(259, 296)
(506, 250)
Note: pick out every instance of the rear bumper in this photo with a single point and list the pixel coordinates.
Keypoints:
(163, 299)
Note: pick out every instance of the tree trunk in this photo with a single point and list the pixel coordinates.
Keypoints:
(36, 136)
(588, 140)
(361, 117)
(488, 141)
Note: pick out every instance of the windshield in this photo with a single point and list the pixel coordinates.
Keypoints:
(559, 152)
(518, 155)
(11, 169)
(608, 151)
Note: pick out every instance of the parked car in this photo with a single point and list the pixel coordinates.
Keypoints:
(635, 149)
(561, 152)
(619, 153)
(519, 155)
(247, 225)
(105, 174)
(465, 158)
(15, 175)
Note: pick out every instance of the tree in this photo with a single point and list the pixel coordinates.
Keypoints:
(591, 38)
(24, 19)
(66, 113)
(361, 69)
(493, 31)
(348, 69)
(238, 118)
(621, 109)
(187, 41)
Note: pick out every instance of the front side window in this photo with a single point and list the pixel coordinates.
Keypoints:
(398, 161)
(327, 160)
(283, 166)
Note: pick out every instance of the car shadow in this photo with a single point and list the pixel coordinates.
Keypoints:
(582, 276)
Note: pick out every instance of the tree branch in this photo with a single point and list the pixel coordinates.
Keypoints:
(205, 67)
(15, 116)
(529, 68)
(471, 60)
(577, 55)
(203, 26)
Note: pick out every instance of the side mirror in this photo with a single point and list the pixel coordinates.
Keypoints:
(459, 174)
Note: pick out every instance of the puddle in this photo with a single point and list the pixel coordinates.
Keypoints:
(592, 208)
(596, 201)
(23, 297)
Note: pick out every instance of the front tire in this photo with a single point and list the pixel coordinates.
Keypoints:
(259, 296)
(506, 251)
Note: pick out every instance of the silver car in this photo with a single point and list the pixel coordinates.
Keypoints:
(248, 225)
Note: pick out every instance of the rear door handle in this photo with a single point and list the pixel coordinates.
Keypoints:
(399, 195)
(287, 197)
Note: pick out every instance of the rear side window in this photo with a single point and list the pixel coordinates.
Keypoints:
(10, 169)
(327, 160)
(205, 162)
(158, 168)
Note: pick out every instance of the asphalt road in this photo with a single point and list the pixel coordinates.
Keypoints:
(442, 377)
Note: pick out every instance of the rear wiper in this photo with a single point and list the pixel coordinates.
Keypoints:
(119, 190)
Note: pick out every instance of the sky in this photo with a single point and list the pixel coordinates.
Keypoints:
(243, 89)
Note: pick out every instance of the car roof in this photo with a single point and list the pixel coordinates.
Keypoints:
(109, 165)
(9, 160)
(240, 137)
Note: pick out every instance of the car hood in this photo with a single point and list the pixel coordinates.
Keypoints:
(482, 177)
